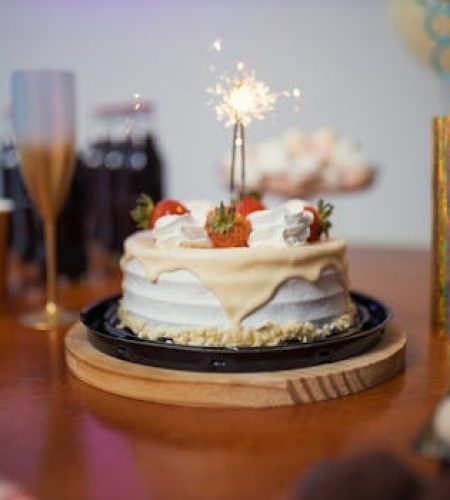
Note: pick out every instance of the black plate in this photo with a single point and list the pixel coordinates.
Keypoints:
(100, 319)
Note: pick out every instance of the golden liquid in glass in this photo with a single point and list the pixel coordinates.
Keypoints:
(47, 172)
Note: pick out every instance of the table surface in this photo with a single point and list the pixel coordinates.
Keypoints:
(61, 438)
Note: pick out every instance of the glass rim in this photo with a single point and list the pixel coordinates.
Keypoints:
(43, 72)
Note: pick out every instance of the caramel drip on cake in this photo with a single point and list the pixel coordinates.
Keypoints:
(242, 279)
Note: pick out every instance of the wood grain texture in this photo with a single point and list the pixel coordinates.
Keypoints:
(62, 438)
(235, 390)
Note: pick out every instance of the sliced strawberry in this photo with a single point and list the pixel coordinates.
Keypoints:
(226, 228)
(167, 207)
(321, 223)
(146, 213)
(248, 205)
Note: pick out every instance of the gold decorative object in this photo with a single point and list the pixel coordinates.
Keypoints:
(439, 270)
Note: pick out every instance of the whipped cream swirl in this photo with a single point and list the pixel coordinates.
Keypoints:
(284, 226)
(180, 231)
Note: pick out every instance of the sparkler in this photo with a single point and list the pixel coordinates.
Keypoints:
(238, 100)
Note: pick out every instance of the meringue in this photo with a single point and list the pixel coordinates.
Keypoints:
(284, 226)
(179, 230)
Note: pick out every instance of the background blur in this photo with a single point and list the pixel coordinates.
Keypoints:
(347, 56)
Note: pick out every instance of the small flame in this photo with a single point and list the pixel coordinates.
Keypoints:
(241, 99)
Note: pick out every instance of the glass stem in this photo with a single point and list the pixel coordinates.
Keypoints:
(50, 253)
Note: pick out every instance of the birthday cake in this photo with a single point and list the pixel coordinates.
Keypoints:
(234, 276)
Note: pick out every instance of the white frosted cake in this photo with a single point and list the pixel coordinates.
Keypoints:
(279, 287)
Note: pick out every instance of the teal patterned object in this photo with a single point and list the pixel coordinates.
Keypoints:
(436, 10)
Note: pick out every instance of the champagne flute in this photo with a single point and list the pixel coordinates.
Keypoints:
(43, 105)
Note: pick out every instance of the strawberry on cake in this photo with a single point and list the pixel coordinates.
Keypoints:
(238, 275)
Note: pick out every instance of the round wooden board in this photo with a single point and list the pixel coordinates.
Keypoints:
(239, 390)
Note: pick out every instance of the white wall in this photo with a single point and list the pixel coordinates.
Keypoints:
(355, 75)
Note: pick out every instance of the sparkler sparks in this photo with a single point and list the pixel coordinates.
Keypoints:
(243, 98)
(217, 45)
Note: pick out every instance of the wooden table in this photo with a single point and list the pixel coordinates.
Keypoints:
(63, 439)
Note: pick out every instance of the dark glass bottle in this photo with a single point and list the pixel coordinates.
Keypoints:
(127, 164)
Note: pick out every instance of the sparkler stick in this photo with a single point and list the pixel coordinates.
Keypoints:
(242, 161)
(238, 146)
(233, 157)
